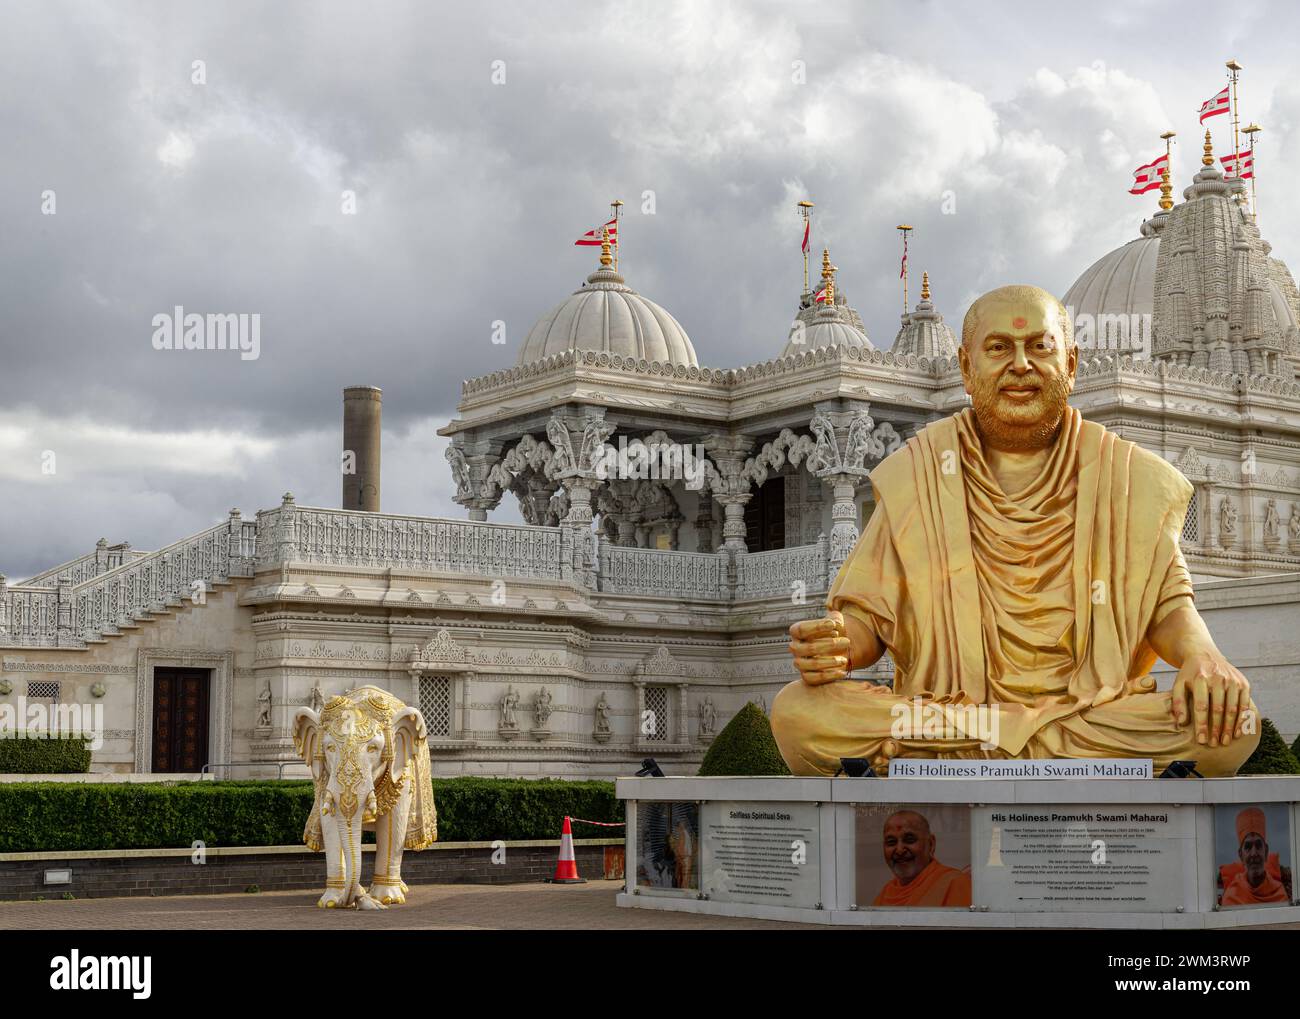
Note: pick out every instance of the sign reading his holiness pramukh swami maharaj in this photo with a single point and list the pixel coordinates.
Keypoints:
(1082, 859)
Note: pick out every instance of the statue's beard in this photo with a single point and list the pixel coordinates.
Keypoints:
(1020, 425)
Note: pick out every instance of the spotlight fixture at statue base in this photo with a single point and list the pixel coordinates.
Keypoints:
(1181, 769)
(855, 767)
(650, 769)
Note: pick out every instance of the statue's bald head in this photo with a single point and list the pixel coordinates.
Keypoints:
(1013, 295)
(1018, 361)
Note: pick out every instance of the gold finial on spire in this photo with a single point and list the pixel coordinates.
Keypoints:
(828, 278)
(606, 259)
(925, 286)
(1166, 188)
(1208, 158)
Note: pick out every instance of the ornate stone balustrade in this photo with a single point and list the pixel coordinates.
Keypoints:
(105, 557)
(69, 614)
(776, 573)
(650, 571)
(303, 534)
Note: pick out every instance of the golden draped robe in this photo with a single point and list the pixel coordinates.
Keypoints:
(937, 885)
(1038, 602)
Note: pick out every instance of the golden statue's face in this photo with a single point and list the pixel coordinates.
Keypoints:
(1018, 370)
(908, 845)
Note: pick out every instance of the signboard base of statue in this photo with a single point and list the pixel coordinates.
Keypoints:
(1098, 852)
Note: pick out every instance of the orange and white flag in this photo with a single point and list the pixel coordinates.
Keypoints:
(592, 237)
(1147, 177)
(1216, 104)
(1240, 164)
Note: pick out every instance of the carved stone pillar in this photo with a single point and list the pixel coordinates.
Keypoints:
(578, 545)
(578, 466)
(844, 519)
(470, 465)
(731, 487)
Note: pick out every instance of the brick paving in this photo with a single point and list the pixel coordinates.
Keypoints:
(428, 907)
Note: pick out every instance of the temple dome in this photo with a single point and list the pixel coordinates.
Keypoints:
(606, 314)
(1114, 288)
(924, 333)
(830, 324)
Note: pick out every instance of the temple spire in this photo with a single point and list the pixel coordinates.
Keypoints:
(1166, 188)
(606, 259)
(925, 286)
(1208, 158)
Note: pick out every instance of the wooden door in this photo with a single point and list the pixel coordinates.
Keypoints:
(180, 719)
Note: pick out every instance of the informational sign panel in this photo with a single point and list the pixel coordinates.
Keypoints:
(1081, 859)
(765, 853)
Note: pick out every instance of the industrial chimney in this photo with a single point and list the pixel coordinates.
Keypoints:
(360, 461)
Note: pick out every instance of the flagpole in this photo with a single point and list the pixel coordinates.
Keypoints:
(1251, 129)
(805, 212)
(1167, 203)
(903, 228)
(1234, 67)
(617, 206)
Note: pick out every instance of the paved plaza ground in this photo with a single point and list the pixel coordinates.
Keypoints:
(428, 907)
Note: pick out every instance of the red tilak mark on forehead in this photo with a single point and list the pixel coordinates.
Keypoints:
(1020, 322)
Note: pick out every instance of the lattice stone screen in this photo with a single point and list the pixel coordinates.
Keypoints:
(43, 690)
(656, 701)
(435, 704)
(1192, 522)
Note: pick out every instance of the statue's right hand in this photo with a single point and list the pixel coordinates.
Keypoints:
(821, 649)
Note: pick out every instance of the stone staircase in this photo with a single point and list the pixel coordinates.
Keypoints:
(115, 588)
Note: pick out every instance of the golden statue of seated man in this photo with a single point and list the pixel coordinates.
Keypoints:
(1021, 565)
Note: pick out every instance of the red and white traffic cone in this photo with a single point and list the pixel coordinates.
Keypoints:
(566, 868)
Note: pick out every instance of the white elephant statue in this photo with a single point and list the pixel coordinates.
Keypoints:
(369, 757)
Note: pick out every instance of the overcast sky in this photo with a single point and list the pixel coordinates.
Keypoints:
(227, 196)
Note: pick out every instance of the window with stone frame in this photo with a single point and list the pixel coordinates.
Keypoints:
(1192, 522)
(435, 704)
(654, 726)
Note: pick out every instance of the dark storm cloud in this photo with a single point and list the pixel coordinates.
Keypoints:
(1006, 141)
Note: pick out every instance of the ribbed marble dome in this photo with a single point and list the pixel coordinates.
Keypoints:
(924, 333)
(1119, 283)
(606, 314)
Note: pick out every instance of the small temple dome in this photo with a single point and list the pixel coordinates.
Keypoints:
(606, 314)
(924, 332)
(829, 323)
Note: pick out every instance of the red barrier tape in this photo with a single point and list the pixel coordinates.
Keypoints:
(602, 824)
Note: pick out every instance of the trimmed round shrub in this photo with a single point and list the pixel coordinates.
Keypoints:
(745, 746)
(1272, 756)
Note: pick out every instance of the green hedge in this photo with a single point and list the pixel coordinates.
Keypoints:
(44, 755)
(47, 816)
